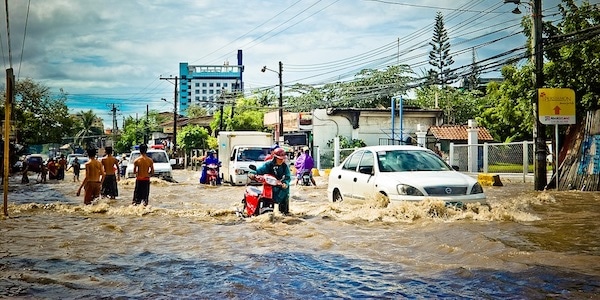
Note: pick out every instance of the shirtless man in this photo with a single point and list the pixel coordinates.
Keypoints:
(143, 167)
(94, 173)
(111, 167)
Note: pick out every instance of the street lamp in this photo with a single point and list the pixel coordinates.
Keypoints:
(539, 132)
(280, 129)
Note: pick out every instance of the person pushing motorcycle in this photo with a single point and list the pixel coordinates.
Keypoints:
(278, 168)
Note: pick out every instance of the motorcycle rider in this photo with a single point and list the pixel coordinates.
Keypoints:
(278, 168)
(305, 163)
(210, 159)
(270, 156)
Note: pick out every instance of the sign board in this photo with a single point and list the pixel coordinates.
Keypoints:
(556, 106)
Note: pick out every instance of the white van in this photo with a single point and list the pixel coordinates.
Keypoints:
(162, 165)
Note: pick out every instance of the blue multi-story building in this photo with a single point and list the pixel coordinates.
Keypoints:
(209, 86)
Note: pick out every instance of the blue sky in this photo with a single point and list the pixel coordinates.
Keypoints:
(114, 51)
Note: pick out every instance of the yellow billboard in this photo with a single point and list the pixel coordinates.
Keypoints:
(556, 106)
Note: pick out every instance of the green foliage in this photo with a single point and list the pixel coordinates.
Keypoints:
(508, 116)
(41, 117)
(439, 56)
(346, 143)
(192, 137)
(247, 116)
(87, 131)
(195, 110)
(575, 61)
(459, 106)
(370, 88)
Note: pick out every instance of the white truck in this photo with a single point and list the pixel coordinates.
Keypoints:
(238, 150)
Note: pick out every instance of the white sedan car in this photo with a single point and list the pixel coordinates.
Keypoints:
(400, 173)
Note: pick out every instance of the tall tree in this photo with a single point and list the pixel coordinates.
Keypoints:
(439, 56)
(573, 51)
(40, 116)
(88, 130)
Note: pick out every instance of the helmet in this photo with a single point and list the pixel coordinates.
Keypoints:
(275, 146)
(279, 153)
(212, 151)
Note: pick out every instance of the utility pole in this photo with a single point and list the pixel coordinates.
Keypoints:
(280, 101)
(8, 101)
(147, 122)
(174, 141)
(114, 110)
(539, 132)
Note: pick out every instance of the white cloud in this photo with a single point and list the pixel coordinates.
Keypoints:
(120, 48)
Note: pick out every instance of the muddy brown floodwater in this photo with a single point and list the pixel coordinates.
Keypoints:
(190, 244)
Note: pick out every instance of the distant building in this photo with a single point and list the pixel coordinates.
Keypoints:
(208, 85)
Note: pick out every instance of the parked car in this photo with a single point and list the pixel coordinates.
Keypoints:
(400, 173)
(35, 162)
(162, 165)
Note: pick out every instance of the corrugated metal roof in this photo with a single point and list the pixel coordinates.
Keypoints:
(458, 132)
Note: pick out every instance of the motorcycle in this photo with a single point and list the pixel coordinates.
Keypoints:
(212, 174)
(306, 178)
(258, 201)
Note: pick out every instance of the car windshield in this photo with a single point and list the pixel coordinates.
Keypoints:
(410, 160)
(253, 154)
(157, 157)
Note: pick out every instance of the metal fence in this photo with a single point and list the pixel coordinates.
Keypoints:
(516, 157)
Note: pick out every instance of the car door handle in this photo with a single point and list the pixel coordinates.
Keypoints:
(355, 179)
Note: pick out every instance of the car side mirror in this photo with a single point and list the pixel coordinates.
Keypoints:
(252, 167)
(456, 168)
(366, 170)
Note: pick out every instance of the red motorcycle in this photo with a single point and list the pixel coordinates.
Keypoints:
(212, 174)
(258, 201)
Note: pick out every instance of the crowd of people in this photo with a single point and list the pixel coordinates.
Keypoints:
(103, 174)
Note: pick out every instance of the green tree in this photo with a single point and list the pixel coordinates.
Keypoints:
(40, 116)
(573, 53)
(439, 56)
(459, 106)
(370, 88)
(249, 115)
(196, 110)
(508, 116)
(87, 131)
(192, 137)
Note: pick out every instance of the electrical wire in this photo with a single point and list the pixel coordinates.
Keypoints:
(24, 36)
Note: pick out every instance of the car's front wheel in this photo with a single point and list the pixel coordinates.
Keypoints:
(337, 196)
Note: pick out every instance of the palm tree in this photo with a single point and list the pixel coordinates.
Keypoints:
(87, 127)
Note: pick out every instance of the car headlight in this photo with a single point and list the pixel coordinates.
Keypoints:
(405, 189)
(477, 188)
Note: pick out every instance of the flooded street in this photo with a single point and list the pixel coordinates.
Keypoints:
(190, 244)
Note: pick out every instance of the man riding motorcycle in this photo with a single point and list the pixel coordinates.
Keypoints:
(304, 164)
(210, 159)
(278, 168)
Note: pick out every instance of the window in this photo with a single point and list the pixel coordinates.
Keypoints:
(204, 91)
(367, 160)
(218, 84)
(204, 84)
(210, 84)
(197, 98)
(197, 92)
(197, 84)
(224, 84)
(353, 161)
